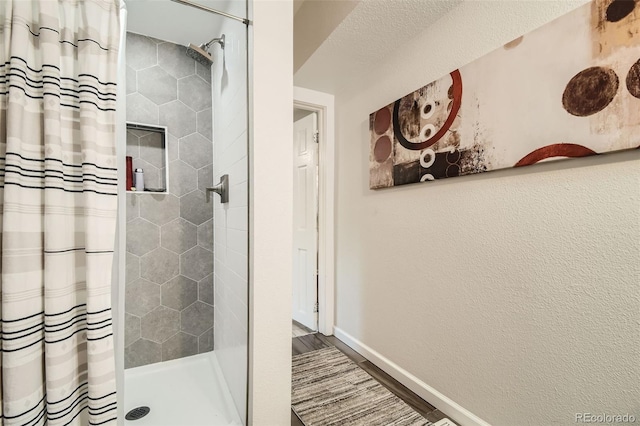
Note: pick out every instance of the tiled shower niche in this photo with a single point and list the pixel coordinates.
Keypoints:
(147, 147)
(169, 265)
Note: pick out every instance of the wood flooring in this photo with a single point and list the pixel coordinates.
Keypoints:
(299, 330)
(312, 342)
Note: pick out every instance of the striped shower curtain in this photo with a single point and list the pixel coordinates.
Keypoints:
(58, 64)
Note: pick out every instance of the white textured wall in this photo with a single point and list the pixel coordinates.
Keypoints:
(230, 141)
(271, 210)
(514, 293)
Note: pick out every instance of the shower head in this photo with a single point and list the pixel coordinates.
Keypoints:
(201, 53)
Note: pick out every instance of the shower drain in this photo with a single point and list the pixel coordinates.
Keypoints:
(137, 413)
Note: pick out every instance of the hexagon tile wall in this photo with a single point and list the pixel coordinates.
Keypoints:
(169, 285)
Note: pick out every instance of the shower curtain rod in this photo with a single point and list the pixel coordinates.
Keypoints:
(210, 10)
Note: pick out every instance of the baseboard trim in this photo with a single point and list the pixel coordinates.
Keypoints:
(454, 411)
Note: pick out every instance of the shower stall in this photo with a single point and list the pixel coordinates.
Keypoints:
(183, 252)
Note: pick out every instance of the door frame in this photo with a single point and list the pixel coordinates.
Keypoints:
(323, 105)
(306, 199)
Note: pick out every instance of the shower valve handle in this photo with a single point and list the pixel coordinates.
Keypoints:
(222, 189)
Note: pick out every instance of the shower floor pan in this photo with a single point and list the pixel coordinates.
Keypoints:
(188, 391)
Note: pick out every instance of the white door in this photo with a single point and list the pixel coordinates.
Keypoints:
(305, 220)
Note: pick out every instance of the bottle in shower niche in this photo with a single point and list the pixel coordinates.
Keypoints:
(139, 180)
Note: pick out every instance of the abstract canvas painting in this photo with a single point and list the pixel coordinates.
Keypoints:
(568, 89)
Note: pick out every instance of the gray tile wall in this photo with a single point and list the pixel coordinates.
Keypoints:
(169, 267)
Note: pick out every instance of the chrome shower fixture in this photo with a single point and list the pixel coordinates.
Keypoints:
(214, 40)
(201, 53)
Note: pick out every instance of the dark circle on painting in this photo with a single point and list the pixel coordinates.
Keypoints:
(619, 9)
(382, 120)
(456, 91)
(453, 157)
(633, 80)
(453, 170)
(590, 91)
(382, 149)
(427, 108)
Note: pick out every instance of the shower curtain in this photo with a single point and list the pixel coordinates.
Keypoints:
(58, 66)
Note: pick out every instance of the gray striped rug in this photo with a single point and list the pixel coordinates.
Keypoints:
(330, 389)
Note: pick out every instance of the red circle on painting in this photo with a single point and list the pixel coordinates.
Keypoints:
(382, 150)
(570, 150)
(382, 120)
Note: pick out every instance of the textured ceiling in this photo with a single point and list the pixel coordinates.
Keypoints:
(373, 30)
